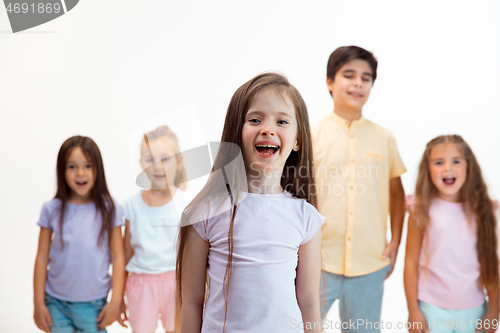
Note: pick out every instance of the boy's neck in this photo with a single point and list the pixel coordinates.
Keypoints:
(348, 114)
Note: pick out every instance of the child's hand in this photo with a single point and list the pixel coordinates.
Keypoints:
(109, 313)
(417, 322)
(122, 318)
(489, 322)
(391, 252)
(42, 317)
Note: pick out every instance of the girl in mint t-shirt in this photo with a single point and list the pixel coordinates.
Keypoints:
(80, 236)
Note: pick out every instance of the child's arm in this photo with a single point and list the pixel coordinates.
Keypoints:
(129, 253)
(397, 212)
(413, 246)
(193, 276)
(490, 320)
(41, 315)
(111, 311)
(307, 283)
(127, 247)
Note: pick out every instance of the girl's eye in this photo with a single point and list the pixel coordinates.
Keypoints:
(253, 120)
(457, 162)
(165, 159)
(282, 122)
(71, 167)
(438, 163)
(366, 79)
(88, 166)
(348, 76)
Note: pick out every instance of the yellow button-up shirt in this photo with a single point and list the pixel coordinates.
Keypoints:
(353, 163)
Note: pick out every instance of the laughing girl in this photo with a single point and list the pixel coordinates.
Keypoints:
(80, 236)
(254, 230)
(451, 260)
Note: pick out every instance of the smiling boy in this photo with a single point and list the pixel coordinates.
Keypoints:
(357, 170)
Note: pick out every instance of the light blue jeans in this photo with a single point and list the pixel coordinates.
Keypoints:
(71, 317)
(441, 320)
(360, 299)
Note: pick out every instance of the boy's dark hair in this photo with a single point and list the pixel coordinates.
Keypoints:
(344, 54)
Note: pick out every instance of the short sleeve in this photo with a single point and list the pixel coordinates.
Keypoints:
(45, 217)
(118, 221)
(397, 167)
(409, 203)
(201, 229)
(125, 209)
(314, 220)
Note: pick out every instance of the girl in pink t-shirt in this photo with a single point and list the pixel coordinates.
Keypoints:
(253, 229)
(451, 251)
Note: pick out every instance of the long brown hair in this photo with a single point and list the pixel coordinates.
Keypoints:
(232, 133)
(100, 193)
(476, 201)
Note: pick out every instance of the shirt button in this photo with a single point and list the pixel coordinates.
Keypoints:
(352, 161)
(352, 136)
(350, 213)
(349, 239)
(351, 187)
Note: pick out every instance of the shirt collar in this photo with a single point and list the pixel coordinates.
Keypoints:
(335, 117)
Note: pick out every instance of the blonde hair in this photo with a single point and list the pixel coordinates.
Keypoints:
(164, 131)
(476, 201)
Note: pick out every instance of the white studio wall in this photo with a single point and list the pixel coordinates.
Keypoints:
(108, 67)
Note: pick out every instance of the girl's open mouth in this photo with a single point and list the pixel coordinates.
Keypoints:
(159, 176)
(81, 184)
(267, 149)
(449, 181)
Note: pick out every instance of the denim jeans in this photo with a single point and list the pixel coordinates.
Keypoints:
(71, 317)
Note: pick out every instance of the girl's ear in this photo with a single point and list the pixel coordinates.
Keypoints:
(297, 147)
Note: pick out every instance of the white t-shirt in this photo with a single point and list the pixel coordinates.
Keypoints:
(153, 233)
(268, 231)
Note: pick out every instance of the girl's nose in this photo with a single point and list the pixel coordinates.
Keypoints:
(267, 130)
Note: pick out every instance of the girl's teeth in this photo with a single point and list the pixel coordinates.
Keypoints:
(449, 181)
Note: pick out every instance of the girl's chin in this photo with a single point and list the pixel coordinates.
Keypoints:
(158, 186)
(264, 168)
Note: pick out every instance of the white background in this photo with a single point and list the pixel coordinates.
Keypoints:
(106, 67)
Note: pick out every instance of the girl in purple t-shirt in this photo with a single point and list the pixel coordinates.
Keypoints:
(80, 236)
(451, 258)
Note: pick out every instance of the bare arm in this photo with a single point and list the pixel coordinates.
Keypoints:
(127, 247)
(413, 247)
(397, 213)
(193, 276)
(111, 311)
(307, 283)
(41, 314)
(490, 320)
(128, 253)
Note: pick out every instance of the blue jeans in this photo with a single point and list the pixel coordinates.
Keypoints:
(360, 299)
(71, 317)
